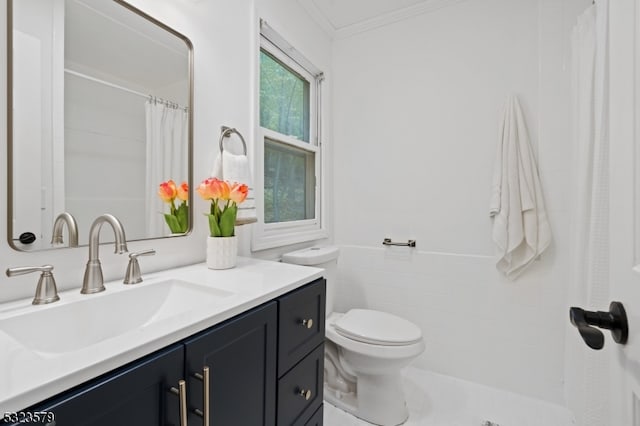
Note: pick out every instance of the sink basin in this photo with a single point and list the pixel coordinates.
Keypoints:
(91, 319)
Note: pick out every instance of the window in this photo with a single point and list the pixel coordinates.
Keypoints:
(289, 154)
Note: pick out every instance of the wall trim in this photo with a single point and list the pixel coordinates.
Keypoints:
(426, 6)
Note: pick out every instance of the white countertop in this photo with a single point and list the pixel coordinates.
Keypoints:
(28, 377)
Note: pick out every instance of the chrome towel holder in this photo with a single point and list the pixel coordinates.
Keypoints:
(388, 242)
(226, 132)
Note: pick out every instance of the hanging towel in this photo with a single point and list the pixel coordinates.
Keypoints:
(521, 228)
(236, 168)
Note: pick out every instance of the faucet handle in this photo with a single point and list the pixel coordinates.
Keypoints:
(46, 292)
(132, 276)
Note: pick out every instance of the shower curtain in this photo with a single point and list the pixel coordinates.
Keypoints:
(586, 370)
(166, 133)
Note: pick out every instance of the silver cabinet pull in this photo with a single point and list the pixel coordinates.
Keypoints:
(204, 377)
(307, 323)
(182, 396)
(306, 394)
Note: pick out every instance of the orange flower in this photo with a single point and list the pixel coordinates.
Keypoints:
(178, 217)
(238, 192)
(213, 189)
(183, 191)
(224, 197)
(168, 191)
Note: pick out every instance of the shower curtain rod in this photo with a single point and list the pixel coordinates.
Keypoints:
(125, 89)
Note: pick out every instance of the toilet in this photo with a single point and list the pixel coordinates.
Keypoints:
(365, 351)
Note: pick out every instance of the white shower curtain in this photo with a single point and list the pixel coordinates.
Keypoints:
(586, 370)
(167, 128)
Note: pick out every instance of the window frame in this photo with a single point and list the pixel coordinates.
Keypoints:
(277, 234)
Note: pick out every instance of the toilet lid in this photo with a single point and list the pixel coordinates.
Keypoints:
(377, 328)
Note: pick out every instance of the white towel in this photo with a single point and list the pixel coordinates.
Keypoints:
(521, 228)
(236, 168)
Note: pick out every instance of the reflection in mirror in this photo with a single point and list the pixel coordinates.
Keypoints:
(100, 115)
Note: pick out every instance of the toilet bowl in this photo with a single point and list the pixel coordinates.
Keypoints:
(365, 351)
(372, 348)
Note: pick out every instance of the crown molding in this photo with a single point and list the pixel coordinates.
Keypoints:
(426, 6)
(319, 17)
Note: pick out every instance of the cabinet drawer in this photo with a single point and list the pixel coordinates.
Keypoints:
(317, 418)
(305, 380)
(301, 323)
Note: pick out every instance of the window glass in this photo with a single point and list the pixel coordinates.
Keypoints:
(284, 99)
(289, 183)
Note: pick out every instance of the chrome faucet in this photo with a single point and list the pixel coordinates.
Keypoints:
(93, 281)
(72, 227)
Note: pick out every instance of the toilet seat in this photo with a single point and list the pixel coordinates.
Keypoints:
(374, 350)
(377, 328)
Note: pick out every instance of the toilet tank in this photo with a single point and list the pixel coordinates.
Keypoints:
(319, 257)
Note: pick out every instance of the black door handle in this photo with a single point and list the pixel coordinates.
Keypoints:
(614, 320)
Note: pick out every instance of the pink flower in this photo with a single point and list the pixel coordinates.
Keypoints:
(238, 192)
(168, 191)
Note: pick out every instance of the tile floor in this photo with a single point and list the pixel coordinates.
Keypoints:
(437, 400)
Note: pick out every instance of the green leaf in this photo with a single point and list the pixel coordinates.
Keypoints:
(214, 227)
(173, 223)
(228, 221)
(182, 214)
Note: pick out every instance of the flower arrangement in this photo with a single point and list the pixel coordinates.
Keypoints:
(225, 198)
(178, 217)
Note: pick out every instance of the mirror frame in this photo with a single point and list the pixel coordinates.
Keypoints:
(10, 142)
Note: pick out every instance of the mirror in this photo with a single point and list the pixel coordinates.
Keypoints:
(100, 114)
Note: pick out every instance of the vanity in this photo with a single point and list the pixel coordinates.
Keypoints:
(187, 346)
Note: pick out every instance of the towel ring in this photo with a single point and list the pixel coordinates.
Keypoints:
(226, 132)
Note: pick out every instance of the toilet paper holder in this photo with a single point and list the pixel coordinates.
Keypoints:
(388, 242)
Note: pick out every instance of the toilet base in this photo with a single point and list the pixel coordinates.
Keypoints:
(379, 399)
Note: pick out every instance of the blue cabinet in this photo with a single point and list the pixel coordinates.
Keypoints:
(301, 324)
(246, 377)
(135, 395)
(241, 357)
(300, 390)
(316, 419)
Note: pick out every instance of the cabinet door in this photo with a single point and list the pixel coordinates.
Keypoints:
(135, 395)
(241, 356)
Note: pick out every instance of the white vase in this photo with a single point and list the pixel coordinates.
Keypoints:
(222, 252)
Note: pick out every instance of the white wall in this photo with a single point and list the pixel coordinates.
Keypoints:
(225, 40)
(416, 111)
